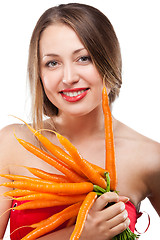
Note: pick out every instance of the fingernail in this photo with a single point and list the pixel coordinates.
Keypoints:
(123, 199)
(127, 199)
(129, 221)
(122, 206)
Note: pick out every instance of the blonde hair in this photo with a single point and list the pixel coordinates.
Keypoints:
(99, 38)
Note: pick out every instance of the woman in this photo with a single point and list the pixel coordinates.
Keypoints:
(72, 48)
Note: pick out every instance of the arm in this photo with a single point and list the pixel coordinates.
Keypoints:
(154, 178)
(4, 205)
(4, 157)
(155, 191)
(102, 223)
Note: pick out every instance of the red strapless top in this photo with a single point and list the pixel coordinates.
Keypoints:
(20, 218)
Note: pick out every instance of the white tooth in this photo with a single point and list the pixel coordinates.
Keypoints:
(73, 94)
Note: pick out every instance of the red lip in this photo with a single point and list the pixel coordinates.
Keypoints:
(74, 98)
(73, 90)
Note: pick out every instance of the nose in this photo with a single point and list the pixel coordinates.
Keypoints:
(70, 75)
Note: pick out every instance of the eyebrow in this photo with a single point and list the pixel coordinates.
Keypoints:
(56, 55)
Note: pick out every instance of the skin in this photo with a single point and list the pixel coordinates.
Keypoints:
(69, 66)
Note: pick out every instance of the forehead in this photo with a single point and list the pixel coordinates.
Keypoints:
(58, 36)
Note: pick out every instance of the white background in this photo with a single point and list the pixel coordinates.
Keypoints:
(137, 24)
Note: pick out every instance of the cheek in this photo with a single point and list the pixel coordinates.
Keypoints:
(95, 74)
(50, 89)
(99, 82)
(48, 83)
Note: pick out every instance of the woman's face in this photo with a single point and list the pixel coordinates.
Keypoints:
(70, 79)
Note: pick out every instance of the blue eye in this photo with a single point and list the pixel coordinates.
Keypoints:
(85, 59)
(51, 64)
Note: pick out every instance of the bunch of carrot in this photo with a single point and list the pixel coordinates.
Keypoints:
(78, 186)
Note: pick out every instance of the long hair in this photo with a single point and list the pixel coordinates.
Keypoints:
(97, 35)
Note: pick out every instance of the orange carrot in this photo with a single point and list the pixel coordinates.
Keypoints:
(86, 167)
(92, 174)
(49, 196)
(100, 170)
(36, 204)
(109, 141)
(82, 215)
(53, 222)
(60, 188)
(51, 160)
(18, 193)
(69, 147)
(55, 150)
(47, 176)
(24, 178)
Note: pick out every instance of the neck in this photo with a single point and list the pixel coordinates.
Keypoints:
(88, 125)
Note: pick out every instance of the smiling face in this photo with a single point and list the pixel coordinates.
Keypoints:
(70, 78)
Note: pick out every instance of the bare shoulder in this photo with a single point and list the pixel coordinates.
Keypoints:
(138, 139)
(9, 146)
(12, 153)
(142, 144)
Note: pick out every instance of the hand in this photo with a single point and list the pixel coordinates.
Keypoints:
(105, 223)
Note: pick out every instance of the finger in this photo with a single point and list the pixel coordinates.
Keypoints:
(112, 211)
(120, 228)
(118, 219)
(104, 199)
(123, 199)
